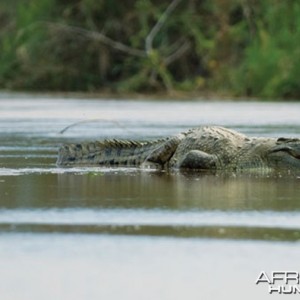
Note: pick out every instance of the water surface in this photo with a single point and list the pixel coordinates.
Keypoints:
(118, 233)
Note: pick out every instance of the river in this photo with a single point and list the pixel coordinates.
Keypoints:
(126, 233)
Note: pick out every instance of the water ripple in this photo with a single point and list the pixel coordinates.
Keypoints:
(136, 217)
(213, 224)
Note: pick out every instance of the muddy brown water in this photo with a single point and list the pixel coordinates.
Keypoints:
(118, 233)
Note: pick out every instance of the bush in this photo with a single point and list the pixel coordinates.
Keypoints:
(240, 47)
(271, 65)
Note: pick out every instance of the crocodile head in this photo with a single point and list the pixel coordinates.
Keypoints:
(285, 154)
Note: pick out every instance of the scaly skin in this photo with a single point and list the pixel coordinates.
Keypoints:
(203, 148)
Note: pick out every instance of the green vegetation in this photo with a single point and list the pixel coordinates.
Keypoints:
(238, 47)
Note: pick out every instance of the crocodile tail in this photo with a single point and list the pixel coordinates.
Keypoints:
(108, 152)
(70, 154)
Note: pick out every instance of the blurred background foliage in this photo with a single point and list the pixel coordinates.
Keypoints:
(237, 47)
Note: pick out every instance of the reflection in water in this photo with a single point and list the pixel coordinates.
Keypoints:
(177, 191)
(138, 189)
(121, 202)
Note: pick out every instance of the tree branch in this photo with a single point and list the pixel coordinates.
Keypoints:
(97, 120)
(157, 27)
(159, 60)
(178, 53)
(100, 37)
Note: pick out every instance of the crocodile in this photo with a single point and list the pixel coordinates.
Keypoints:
(202, 148)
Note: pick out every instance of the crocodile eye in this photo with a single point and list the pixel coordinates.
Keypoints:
(282, 139)
(282, 149)
(288, 150)
(287, 140)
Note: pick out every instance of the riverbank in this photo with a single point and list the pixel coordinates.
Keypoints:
(135, 96)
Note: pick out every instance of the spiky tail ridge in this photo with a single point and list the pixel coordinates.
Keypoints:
(106, 153)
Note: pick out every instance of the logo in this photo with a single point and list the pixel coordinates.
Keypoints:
(280, 282)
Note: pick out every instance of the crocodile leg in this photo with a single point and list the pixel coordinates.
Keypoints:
(198, 160)
(161, 155)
